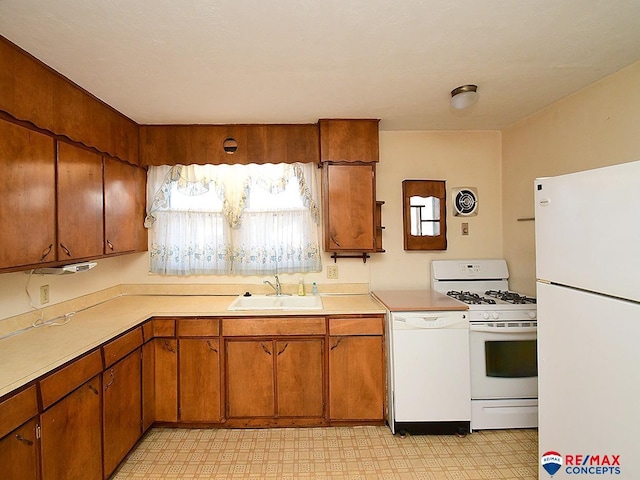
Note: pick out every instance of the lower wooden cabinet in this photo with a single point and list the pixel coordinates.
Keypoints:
(19, 453)
(357, 387)
(122, 398)
(72, 435)
(166, 379)
(275, 378)
(199, 380)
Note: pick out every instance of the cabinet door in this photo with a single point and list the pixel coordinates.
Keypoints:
(80, 205)
(166, 373)
(356, 378)
(349, 196)
(349, 140)
(72, 435)
(19, 453)
(27, 209)
(250, 378)
(299, 377)
(122, 409)
(199, 380)
(121, 222)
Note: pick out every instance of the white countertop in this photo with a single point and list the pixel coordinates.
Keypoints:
(30, 354)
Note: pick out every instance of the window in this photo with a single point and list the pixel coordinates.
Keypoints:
(233, 219)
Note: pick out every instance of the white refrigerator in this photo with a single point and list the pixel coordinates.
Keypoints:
(588, 290)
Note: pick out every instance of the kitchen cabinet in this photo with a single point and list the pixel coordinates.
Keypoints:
(148, 384)
(166, 379)
(349, 207)
(121, 220)
(28, 208)
(19, 453)
(35, 93)
(80, 203)
(349, 140)
(71, 433)
(275, 367)
(71, 422)
(199, 370)
(356, 369)
(275, 378)
(19, 444)
(122, 411)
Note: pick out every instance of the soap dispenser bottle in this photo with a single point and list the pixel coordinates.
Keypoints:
(301, 291)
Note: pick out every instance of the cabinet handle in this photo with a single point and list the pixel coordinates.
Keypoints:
(66, 250)
(111, 374)
(93, 389)
(23, 440)
(265, 349)
(337, 343)
(333, 239)
(110, 245)
(46, 251)
(283, 349)
(211, 346)
(168, 347)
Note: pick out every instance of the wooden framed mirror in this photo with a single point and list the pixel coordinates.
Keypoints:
(424, 212)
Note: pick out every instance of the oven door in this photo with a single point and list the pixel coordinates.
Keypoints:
(504, 362)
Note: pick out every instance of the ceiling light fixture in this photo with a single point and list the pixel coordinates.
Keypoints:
(464, 96)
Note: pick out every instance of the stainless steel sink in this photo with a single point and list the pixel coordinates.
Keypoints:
(273, 302)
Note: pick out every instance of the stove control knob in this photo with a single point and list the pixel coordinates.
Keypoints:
(495, 315)
(485, 315)
(532, 315)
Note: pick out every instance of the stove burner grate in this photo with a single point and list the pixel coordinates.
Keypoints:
(470, 298)
(510, 297)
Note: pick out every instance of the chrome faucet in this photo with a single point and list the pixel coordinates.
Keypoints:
(277, 287)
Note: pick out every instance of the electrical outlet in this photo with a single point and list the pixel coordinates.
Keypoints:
(44, 294)
(332, 272)
(465, 228)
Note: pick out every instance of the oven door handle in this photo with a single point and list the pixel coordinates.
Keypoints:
(506, 330)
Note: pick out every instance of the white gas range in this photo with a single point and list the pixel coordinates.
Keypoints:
(502, 341)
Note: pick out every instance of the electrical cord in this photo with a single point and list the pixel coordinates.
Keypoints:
(40, 322)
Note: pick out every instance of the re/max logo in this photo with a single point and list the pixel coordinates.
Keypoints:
(600, 460)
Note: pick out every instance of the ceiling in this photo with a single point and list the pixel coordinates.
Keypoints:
(294, 61)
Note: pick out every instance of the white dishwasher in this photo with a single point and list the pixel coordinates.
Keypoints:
(429, 384)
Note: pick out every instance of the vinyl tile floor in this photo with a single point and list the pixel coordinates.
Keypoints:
(331, 453)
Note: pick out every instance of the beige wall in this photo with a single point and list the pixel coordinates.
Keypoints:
(462, 158)
(595, 127)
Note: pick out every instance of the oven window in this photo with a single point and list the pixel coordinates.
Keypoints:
(511, 359)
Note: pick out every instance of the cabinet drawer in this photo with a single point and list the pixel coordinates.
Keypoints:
(60, 383)
(356, 326)
(121, 346)
(273, 326)
(164, 327)
(198, 327)
(17, 409)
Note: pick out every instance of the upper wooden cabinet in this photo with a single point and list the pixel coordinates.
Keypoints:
(35, 93)
(349, 207)
(202, 144)
(79, 195)
(28, 206)
(121, 215)
(346, 140)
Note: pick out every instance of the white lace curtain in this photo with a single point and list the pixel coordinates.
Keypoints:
(233, 219)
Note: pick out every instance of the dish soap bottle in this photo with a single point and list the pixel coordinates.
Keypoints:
(301, 291)
(315, 288)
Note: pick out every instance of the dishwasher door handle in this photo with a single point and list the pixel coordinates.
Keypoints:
(430, 322)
